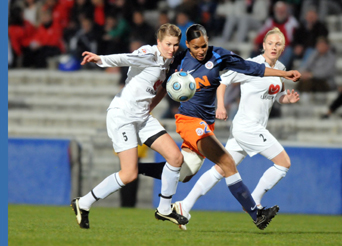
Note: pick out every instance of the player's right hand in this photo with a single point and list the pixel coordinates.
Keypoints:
(293, 75)
(90, 57)
(221, 114)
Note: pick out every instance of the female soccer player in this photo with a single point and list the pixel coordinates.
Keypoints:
(196, 117)
(129, 123)
(248, 132)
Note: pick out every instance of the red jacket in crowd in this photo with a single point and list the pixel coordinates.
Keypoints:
(21, 36)
(51, 36)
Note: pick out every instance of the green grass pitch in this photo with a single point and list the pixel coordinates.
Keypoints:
(53, 225)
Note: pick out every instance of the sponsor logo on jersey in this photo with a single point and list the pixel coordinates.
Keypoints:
(209, 65)
(267, 96)
(273, 89)
(151, 91)
(144, 51)
(199, 131)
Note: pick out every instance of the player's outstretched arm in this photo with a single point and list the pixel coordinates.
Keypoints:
(221, 112)
(90, 57)
(293, 75)
(290, 97)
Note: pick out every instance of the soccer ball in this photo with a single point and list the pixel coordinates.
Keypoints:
(181, 86)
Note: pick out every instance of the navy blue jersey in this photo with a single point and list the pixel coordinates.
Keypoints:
(207, 76)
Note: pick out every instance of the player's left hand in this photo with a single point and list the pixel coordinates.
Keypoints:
(293, 75)
(292, 96)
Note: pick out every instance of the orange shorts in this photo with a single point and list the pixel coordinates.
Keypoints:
(191, 130)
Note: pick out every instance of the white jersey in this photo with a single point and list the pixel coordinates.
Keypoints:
(146, 73)
(257, 96)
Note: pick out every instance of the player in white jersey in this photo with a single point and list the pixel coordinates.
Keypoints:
(130, 124)
(248, 132)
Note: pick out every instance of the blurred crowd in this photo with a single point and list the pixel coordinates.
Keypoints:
(40, 31)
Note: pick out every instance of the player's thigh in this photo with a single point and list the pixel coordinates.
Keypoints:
(122, 132)
(129, 165)
(211, 148)
(167, 147)
(282, 159)
(153, 134)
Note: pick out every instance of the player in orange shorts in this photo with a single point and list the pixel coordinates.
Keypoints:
(196, 118)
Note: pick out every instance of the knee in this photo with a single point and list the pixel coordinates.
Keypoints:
(228, 166)
(288, 164)
(285, 163)
(127, 178)
(176, 160)
(192, 163)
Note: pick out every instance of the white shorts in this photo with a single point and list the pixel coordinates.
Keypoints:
(126, 133)
(252, 143)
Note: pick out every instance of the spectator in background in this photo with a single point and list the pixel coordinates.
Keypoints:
(81, 9)
(60, 10)
(99, 12)
(305, 37)
(163, 18)
(145, 4)
(285, 22)
(318, 74)
(140, 29)
(183, 22)
(84, 7)
(208, 16)
(244, 16)
(116, 35)
(324, 7)
(334, 105)
(122, 8)
(87, 38)
(191, 8)
(20, 34)
(31, 12)
(295, 7)
(47, 41)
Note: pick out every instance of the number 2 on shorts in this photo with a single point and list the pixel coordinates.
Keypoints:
(206, 130)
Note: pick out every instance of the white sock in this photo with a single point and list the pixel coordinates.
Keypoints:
(169, 182)
(108, 186)
(204, 184)
(233, 179)
(268, 180)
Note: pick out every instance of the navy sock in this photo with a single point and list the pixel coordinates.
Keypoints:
(153, 170)
(242, 194)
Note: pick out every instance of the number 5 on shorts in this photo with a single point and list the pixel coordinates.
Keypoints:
(125, 136)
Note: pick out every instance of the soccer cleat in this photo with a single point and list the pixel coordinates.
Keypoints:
(173, 217)
(177, 206)
(264, 216)
(81, 215)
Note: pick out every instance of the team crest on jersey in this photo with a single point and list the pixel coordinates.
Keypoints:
(144, 51)
(209, 65)
(199, 131)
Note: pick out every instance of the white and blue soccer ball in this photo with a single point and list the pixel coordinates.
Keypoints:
(181, 86)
